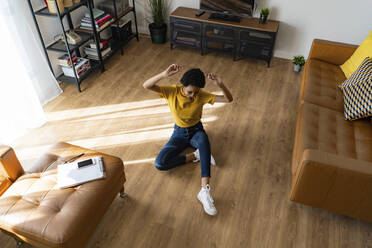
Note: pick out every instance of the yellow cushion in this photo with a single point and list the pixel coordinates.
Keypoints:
(363, 51)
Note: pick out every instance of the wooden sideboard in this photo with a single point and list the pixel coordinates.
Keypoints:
(248, 38)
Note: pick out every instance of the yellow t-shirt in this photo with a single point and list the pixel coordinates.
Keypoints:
(186, 112)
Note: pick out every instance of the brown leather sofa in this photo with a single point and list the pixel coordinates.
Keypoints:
(34, 210)
(332, 158)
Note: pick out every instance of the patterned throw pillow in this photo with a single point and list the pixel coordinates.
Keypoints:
(357, 90)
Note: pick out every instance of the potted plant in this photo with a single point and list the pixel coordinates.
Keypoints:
(298, 62)
(158, 29)
(264, 14)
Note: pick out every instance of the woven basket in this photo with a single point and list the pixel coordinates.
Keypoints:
(52, 6)
(68, 3)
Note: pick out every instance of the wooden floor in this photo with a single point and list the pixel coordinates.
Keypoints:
(251, 139)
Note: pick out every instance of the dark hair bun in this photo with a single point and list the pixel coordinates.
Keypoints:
(193, 77)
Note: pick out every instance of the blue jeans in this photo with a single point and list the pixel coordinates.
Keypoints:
(181, 138)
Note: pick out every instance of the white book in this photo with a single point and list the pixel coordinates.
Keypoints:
(96, 13)
(106, 51)
(76, 173)
(93, 51)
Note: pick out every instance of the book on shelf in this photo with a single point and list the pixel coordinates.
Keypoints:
(104, 19)
(64, 60)
(82, 65)
(91, 44)
(102, 44)
(101, 20)
(121, 23)
(98, 22)
(98, 27)
(96, 13)
(92, 53)
(96, 58)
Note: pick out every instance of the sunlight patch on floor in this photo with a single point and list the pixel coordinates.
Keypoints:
(126, 114)
(139, 161)
(127, 138)
(131, 109)
(149, 133)
(100, 110)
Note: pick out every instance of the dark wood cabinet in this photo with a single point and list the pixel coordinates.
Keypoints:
(248, 38)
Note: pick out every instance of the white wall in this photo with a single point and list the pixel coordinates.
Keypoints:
(303, 20)
(143, 12)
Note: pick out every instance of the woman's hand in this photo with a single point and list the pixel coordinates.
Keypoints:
(172, 69)
(227, 97)
(215, 79)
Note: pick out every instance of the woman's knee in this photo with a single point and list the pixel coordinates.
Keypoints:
(160, 164)
(201, 138)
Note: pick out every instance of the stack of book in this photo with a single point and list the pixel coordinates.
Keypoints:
(101, 19)
(64, 60)
(82, 65)
(92, 51)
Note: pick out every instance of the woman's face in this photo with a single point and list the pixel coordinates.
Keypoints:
(190, 91)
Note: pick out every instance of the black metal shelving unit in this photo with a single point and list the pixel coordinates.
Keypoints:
(64, 47)
(116, 21)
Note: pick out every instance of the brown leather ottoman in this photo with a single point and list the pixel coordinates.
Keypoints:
(36, 211)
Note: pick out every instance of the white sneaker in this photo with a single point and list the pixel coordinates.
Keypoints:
(197, 157)
(206, 199)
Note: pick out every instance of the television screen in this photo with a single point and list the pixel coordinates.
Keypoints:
(235, 7)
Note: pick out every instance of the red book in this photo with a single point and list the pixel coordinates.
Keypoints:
(101, 23)
(104, 19)
(104, 22)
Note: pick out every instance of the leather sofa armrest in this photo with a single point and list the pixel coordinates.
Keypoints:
(10, 167)
(335, 183)
(4, 184)
(330, 51)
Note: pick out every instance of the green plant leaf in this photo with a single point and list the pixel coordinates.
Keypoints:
(157, 11)
(298, 60)
(265, 11)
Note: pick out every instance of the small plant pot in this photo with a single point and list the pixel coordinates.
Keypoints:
(263, 19)
(158, 35)
(297, 68)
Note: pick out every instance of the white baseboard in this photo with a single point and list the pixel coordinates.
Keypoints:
(282, 54)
